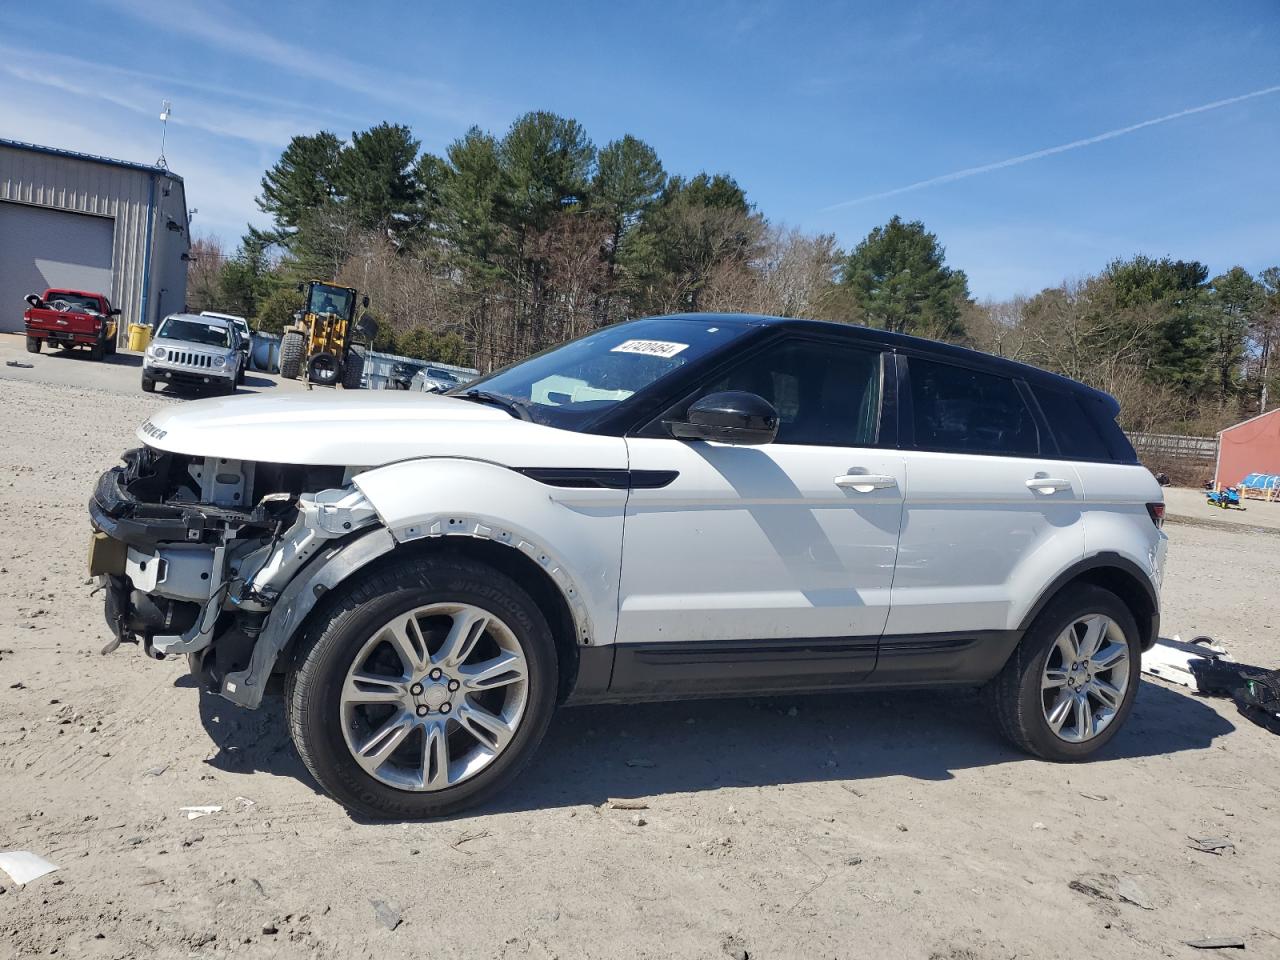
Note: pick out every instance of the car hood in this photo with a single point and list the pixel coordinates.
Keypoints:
(367, 428)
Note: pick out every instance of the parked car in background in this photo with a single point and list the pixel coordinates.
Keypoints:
(195, 351)
(71, 318)
(401, 374)
(432, 379)
(245, 335)
(687, 506)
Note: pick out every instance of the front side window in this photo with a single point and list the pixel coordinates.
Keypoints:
(958, 410)
(826, 394)
(572, 385)
(194, 331)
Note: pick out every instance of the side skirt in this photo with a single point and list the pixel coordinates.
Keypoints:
(729, 668)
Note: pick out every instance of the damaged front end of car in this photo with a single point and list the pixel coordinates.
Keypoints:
(220, 559)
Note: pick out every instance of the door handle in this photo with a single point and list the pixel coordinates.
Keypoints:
(1048, 485)
(865, 482)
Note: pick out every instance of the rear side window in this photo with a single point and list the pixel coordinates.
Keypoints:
(1077, 436)
(957, 410)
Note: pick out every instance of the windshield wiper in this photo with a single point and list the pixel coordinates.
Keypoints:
(515, 407)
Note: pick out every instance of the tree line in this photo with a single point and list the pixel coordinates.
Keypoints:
(505, 245)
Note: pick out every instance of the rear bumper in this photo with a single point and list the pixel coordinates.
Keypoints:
(79, 337)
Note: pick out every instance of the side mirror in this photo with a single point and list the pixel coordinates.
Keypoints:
(733, 416)
(302, 287)
(115, 311)
(364, 301)
(367, 327)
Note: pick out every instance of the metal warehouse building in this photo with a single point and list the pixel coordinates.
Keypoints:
(91, 223)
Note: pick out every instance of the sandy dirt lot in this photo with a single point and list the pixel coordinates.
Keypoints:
(838, 826)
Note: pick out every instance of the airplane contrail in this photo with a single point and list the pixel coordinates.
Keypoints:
(1049, 151)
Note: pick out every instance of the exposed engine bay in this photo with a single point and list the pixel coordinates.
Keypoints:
(192, 549)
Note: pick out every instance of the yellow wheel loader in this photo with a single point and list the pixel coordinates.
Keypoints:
(318, 344)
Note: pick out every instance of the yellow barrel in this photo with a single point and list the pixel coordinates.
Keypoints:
(139, 336)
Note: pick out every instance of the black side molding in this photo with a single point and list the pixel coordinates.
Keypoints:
(587, 478)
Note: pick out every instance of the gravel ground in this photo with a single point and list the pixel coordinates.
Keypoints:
(835, 826)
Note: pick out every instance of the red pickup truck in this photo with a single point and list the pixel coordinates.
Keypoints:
(71, 318)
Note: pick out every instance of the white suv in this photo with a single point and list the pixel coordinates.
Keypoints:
(684, 506)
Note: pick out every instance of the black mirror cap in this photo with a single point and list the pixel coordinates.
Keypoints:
(115, 312)
(732, 416)
(364, 301)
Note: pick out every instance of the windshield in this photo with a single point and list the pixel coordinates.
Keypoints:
(330, 300)
(571, 385)
(193, 331)
(76, 302)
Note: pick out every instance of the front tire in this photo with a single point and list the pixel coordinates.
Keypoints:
(424, 688)
(1071, 682)
(148, 385)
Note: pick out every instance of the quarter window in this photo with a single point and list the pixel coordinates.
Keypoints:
(826, 394)
(955, 409)
(1076, 435)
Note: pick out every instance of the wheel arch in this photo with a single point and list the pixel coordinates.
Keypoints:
(1117, 574)
(306, 599)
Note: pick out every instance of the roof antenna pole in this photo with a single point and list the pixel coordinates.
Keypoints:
(165, 108)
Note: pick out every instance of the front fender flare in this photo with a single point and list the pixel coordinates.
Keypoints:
(330, 567)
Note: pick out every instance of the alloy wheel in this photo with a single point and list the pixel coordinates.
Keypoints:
(434, 696)
(1085, 679)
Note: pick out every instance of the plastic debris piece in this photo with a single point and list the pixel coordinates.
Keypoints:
(640, 762)
(1129, 891)
(620, 803)
(195, 813)
(1217, 943)
(1171, 659)
(23, 867)
(387, 915)
(1214, 845)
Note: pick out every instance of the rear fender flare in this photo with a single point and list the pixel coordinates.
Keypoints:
(1101, 563)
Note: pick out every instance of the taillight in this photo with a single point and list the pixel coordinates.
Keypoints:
(1156, 512)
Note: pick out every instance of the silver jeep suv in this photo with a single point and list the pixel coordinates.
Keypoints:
(198, 351)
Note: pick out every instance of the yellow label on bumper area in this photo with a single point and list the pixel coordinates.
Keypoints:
(106, 555)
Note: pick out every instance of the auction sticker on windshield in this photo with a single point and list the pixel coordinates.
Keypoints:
(650, 348)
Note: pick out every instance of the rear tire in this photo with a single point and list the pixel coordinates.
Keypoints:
(1089, 704)
(346, 641)
(352, 371)
(291, 348)
(98, 350)
(33, 344)
(111, 346)
(148, 385)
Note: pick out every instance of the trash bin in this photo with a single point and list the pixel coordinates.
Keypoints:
(139, 336)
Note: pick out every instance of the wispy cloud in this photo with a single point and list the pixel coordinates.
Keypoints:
(1050, 151)
(216, 25)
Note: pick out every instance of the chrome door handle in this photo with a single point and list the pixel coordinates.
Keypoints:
(865, 482)
(1048, 485)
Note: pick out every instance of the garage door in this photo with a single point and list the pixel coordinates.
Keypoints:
(42, 248)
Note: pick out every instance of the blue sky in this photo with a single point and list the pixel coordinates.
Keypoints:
(808, 105)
